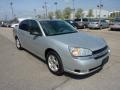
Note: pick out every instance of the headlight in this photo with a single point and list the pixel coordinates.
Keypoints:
(77, 52)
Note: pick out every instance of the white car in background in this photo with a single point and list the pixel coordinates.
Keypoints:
(14, 25)
(18, 21)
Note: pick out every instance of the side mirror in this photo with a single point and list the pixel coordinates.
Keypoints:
(35, 33)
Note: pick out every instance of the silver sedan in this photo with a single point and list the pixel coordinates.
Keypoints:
(98, 24)
(62, 46)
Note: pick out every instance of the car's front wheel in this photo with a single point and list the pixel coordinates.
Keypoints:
(54, 63)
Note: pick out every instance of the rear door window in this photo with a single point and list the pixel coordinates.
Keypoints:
(24, 25)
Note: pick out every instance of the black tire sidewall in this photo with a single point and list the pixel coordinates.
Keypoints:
(60, 70)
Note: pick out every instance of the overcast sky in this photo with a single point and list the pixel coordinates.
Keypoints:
(25, 8)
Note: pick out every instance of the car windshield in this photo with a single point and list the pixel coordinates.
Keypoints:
(57, 28)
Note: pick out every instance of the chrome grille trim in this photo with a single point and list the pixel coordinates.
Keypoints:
(100, 53)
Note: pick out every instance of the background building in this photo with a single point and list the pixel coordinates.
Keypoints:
(96, 13)
(114, 14)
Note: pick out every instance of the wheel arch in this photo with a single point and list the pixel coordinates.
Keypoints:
(48, 50)
(16, 37)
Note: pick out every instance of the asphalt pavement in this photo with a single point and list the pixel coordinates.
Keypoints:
(20, 70)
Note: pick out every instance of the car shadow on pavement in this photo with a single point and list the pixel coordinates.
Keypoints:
(38, 58)
(73, 76)
(117, 30)
(78, 77)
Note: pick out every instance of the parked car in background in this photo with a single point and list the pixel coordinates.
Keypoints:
(14, 25)
(17, 21)
(5, 24)
(98, 24)
(9, 25)
(82, 22)
(115, 25)
(62, 46)
(72, 22)
(80, 25)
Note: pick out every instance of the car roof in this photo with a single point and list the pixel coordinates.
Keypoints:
(43, 19)
(68, 20)
(50, 20)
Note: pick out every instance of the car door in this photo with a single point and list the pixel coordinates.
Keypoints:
(104, 24)
(37, 40)
(24, 34)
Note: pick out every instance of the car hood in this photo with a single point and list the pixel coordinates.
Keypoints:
(81, 40)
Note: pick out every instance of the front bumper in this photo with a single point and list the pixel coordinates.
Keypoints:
(86, 65)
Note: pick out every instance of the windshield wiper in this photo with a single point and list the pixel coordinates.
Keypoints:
(62, 33)
(69, 32)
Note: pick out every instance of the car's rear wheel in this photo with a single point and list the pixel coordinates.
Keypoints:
(54, 63)
(111, 29)
(101, 27)
(84, 27)
(18, 44)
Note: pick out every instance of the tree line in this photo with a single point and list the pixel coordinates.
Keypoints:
(66, 13)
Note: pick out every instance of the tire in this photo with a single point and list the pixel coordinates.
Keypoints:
(84, 27)
(54, 63)
(111, 29)
(101, 27)
(18, 44)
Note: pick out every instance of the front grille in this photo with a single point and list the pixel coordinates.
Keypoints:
(95, 68)
(101, 52)
(101, 56)
(104, 62)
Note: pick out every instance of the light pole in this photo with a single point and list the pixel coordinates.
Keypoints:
(100, 7)
(45, 7)
(43, 11)
(6, 17)
(73, 2)
(11, 4)
(96, 13)
(35, 12)
(56, 3)
(73, 9)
